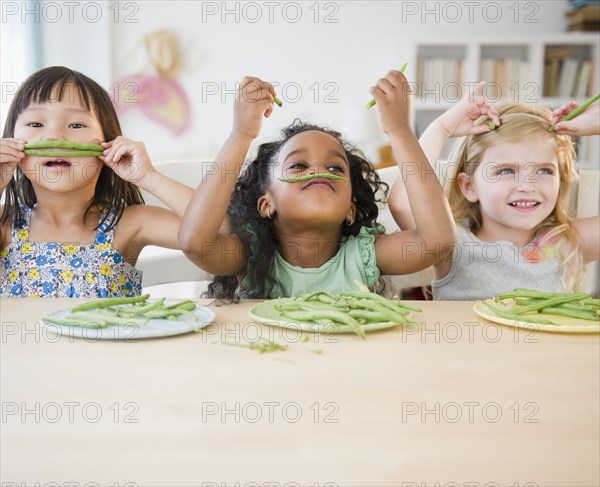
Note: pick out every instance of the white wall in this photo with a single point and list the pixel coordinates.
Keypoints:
(342, 58)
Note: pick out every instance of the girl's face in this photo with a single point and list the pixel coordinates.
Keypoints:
(516, 186)
(67, 119)
(317, 201)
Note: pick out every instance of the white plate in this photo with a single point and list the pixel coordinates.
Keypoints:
(564, 324)
(155, 328)
(266, 314)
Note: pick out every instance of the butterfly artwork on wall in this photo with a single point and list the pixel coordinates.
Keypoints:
(158, 95)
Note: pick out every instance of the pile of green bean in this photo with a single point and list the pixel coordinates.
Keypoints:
(531, 306)
(351, 311)
(134, 311)
(72, 149)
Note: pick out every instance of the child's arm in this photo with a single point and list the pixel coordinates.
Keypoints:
(588, 233)
(199, 236)
(412, 250)
(456, 122)
(586, 123)
(154, 225)
(11, 153)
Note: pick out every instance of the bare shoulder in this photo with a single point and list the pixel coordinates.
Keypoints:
(5, 228)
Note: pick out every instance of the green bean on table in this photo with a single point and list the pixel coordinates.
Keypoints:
(123, 311)
(534, 306)
(351, 311)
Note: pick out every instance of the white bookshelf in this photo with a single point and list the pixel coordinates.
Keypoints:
(520, 63)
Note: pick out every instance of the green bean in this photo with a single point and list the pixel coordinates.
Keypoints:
(327, 314)
(106, 302)
(63, 144)
(170, 313)
(183, 305)
(548, 303)
(392, 305)
(111, 320)
(571, 313)
(573, 306)
(491, 125)
(144, 309)
(372, 103)
(529, 293)
(277, 101)
(73, 153)
(580, 109)
(72, 321)
(308, 305)
(308, 177)
(512, 316)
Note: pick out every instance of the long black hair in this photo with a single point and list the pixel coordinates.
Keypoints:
(258, 234)
(111, 191)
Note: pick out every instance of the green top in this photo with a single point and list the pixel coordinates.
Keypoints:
(355, 260)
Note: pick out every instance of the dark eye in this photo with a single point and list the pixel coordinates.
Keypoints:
(336, 168)
(34, 125)
(77, 125)
(505, 170)
(546, 170)
(298, 165)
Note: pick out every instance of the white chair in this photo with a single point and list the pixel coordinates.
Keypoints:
(588, 204)
(168, 272)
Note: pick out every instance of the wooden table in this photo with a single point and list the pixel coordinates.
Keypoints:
(455, 400)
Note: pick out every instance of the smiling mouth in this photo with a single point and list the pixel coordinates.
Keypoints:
(524, 204)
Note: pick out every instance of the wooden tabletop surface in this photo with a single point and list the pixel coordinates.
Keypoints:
(453, 401)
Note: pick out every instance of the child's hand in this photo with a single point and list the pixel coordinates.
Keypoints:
(586, 123)
(254, 101)
(393, 96)
(460, 119)
(11, 153)
(128, 159)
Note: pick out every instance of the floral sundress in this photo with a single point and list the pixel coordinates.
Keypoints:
(71, 270)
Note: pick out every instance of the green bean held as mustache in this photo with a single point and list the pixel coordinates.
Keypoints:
(308, 177)
(75, 149)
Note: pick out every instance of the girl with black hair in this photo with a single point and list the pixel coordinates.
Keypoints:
(74, 226)
(286, 236)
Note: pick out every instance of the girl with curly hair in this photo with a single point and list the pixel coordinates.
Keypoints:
(303, 214)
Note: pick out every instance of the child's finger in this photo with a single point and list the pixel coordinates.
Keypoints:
(481, 128)
(475, 91)
(385, 86)
(8, 151)
(396, 78)
(120, 152)
(377, 93)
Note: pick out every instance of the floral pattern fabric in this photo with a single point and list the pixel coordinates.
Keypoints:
(65, 270)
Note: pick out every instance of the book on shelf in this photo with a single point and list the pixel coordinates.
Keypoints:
(567, 76)
(506, 77)
(434, 75)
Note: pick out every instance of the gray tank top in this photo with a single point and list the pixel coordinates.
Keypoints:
(482, 270)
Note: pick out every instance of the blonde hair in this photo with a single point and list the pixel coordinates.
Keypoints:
(521, 122)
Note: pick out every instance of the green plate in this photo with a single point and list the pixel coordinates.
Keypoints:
(266, 313)
(564, 324)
